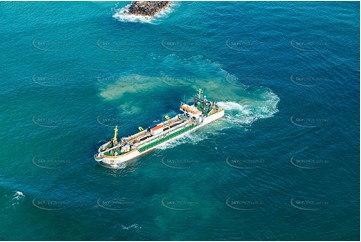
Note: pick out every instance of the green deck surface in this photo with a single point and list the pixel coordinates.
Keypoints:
(166, 138)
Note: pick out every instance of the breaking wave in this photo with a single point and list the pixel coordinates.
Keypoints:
(15, 199)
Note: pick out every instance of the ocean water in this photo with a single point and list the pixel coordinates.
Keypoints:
(283, 164)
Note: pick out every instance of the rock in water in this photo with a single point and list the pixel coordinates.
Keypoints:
(147, 8)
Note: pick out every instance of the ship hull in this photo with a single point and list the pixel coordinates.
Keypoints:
(118, 160)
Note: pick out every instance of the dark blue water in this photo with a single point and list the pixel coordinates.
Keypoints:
(283, 164)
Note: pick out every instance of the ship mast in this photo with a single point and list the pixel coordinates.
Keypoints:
(199, 93)
(115, 141)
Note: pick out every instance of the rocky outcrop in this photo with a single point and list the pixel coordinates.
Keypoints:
(147, 8)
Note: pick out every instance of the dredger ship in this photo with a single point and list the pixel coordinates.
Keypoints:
(194, 116)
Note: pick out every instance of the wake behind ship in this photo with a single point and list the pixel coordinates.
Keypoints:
(200, 113)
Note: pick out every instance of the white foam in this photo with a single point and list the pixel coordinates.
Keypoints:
(238, 113)
(133, 226)
(234, 106)
(123, 15)
(18, 196)
(172, 143)
(193, 138)
(119, 166)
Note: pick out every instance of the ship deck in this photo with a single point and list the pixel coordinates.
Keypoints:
(142, 136)
(145, 134)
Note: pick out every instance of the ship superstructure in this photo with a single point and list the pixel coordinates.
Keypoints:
(193, 116)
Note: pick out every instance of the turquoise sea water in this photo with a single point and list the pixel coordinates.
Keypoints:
(283, 164)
